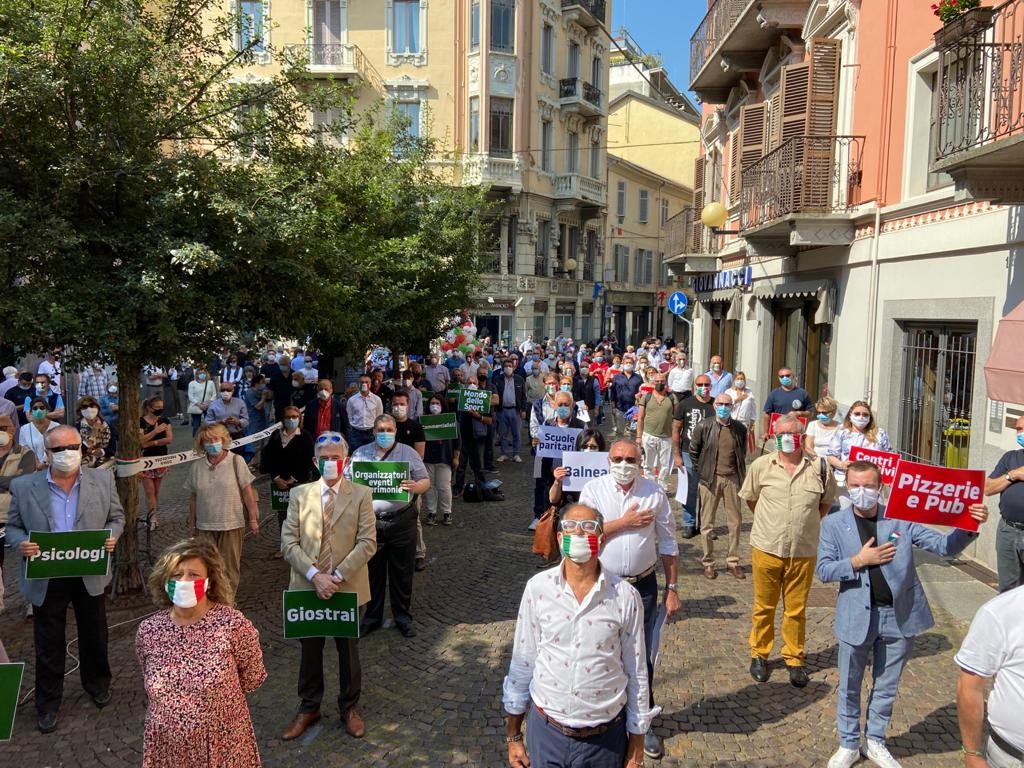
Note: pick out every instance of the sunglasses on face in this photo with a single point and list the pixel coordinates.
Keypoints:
(620, 459)
(587, 526)
(62, 448)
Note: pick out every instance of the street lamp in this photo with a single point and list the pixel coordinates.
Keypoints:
(714, 217)
(570, 265)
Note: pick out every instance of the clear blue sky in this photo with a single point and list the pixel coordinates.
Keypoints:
(662, 26)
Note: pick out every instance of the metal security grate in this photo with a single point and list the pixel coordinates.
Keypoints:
(935, 401)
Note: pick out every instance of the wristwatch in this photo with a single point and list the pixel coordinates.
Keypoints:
(513, 739)
(672, 587)
(1008, 478)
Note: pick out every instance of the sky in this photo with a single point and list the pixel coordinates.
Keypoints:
(662, 26)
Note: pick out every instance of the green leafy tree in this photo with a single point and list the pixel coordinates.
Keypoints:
(155, 200)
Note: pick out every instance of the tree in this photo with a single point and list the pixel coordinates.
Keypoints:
(155, 199)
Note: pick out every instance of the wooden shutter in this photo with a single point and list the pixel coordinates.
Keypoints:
(795, 93)
(824, 91)
(696, 239)
(775, 120)
(753, 133)
(734, 167)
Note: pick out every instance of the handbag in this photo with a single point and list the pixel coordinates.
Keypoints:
(545, 538)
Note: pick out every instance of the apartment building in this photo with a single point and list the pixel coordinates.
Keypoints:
(864, 161)
(516, 95)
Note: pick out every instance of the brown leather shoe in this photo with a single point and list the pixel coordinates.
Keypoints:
(735, 571)
(300, 724)
(709, 573)
(354, 724)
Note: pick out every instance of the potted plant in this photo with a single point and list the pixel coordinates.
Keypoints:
(960, 18)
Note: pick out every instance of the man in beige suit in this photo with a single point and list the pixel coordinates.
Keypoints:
(328, 536)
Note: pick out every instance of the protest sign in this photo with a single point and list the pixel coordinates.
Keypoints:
(554, 441)
(923, 493)
(279, 499)
(885, 461)
(384, 478)
(775, 417)
(442, 426)
(583, 467)
(10, 688)
(478, 400)
(70, 554)
(682, 485)
(306, 615)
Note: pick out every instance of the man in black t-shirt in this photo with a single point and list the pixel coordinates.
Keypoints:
(690, 412)
(410, 432)
(1007, 479)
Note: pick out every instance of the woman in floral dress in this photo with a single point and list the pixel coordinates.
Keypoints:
(199, 659)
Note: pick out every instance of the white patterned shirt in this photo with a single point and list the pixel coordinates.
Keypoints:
(581, 662)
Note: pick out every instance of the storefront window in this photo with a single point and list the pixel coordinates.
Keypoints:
(725, 335)
(801, 344)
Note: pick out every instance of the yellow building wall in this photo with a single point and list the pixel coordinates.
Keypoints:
(646, 135)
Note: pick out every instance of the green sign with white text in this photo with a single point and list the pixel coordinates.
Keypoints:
(384, 478)
(478, 400)
(443, 426)
(279, 499)
(10, 688)
(306, 615)
(70, 554)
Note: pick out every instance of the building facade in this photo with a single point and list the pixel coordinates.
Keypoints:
(868, 243)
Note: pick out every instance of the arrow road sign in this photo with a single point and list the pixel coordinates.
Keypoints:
(677, 303)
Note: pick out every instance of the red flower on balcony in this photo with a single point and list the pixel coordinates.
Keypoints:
(948, 10)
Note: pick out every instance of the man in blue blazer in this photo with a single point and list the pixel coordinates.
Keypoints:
(881, 605)
(65, 497)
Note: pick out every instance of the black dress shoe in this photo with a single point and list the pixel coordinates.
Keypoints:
(798, 677)
(421, 564)
(759, 669)
(47, 723)
(407, 630)
(367, 627)
(689, 532)
(102, 700)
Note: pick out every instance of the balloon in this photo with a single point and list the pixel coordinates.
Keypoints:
(450, 336)
(446, 347)
(460, 339)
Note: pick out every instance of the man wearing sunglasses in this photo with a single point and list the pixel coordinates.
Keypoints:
(66, 497)
(591, 619)
(639, 529)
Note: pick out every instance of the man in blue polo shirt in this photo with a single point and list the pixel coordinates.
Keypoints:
(1005, 480)
(787, 398)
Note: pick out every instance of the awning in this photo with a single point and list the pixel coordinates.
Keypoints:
(732, 296)
(822, 290)
(722, 294)
(1004, 369)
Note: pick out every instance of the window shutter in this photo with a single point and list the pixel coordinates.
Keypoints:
(795, 92)
(320, 22)
(822, 108)
(734, 167)
(696, 228)
(753, 134)
(334, 17)
(775, 120)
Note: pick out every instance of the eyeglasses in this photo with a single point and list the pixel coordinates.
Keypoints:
(62, 448)
(587, 526)
(620, 459)
(323, 439)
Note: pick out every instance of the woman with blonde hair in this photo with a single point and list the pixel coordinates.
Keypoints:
(818, 435)
(859, 428)
(220, 494)
(199, 657)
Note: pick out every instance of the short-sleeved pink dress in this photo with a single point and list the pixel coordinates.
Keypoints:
(196, 678)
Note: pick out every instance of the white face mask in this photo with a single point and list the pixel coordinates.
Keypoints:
(624, 473)
(66, 461)
(225, 395)
(5, 439)
(860, 422)
(90, 413)
(323, 394)
(435, 408)
(864, 498)
(400, 411)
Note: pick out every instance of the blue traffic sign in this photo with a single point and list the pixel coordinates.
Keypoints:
(677, 303)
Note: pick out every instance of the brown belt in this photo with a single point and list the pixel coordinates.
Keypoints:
(640, 576)
(579, 733)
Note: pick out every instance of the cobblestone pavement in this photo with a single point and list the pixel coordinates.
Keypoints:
(435, 700)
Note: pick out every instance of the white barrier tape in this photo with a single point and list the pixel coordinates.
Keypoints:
(127, 468)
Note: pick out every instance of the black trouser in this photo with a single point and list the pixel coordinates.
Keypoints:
(391, 568)
(311, 673)
(648, 589)
(472, 454)
(542, 487)
(489, 446)
(48, 627)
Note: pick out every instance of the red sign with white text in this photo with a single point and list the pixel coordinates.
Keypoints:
(885, 461)
(775, 417)
(922, 493)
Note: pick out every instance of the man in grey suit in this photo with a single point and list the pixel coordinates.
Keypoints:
(66, 497)
(881, 605)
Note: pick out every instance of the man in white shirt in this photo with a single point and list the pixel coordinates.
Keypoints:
(436, 375)
(10, 380)
(575, 617)
(680, 378)
(469, 368)
(51, 368)
(993, 648)
(639, 527)
(362, 409)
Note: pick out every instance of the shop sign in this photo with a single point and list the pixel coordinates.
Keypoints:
(727, 278)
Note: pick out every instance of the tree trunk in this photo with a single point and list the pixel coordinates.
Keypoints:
(128, 572)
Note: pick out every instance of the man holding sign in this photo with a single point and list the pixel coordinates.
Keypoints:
(66, 499)
(328, 537)
(881, 605)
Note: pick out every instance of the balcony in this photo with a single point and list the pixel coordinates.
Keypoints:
(801, 194)
(979, 129)
(493, 172)
(733, 39)
(580, 97)
(341, 60)
(580, 189)
(587, 13)
(689, 249)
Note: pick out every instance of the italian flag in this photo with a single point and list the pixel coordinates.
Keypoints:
(184, 589)
(591, 541)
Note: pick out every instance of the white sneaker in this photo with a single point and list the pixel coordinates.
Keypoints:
(844, 758)
(876, 752)
(500, 458)
(533, 525)
(517, 459)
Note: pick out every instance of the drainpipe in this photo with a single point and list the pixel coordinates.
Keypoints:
(869, 363)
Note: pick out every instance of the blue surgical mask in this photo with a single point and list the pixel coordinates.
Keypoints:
(563, 411)
(722, 411)
(212, 449)
(823, 417)
(291, 423)
(785, 380)
(1020, 439)
(385, 439)
(566, 387)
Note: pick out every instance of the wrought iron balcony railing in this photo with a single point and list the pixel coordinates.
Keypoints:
(805, 175)
(712, 31)
(576, 88)
(594, 7)
(338, 58)
(686, 235)
(981, 79)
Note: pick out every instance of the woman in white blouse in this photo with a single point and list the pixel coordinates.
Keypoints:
(744, 408)
(819, 432)
(33, 434)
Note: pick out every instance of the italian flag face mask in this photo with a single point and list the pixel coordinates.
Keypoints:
(187, 594)
(580, 549)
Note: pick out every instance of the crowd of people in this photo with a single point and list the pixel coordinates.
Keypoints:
(596, 605)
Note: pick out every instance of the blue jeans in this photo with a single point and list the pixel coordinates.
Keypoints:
(509, 428)
(197, 421)
(890, 651)
(550, 748)
(692, 496)
(1009, 556)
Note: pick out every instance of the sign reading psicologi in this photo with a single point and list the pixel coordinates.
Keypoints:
(442, 426)
(306, 615)
(68, 555)
(384, 478)
(279, 499)
(478, 400)
(922, 493)
(554, 441)
(10, 688)
(583, 466)
(885, 461)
